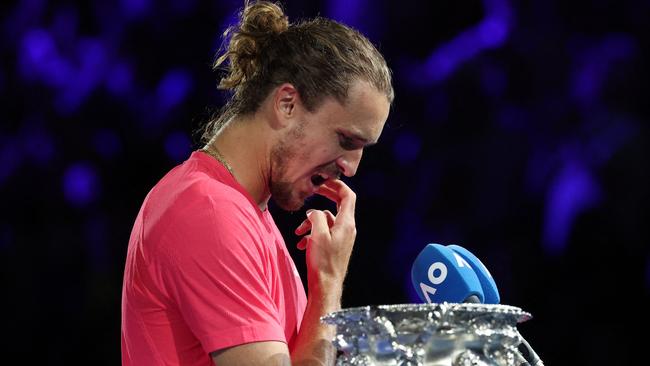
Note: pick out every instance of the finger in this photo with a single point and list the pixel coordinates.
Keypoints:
(318, 224)
(330, 218)
(303, 227)
(302, 244)
(328, 193)
(347, 198)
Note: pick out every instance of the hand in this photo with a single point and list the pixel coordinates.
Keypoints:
(330, 243)
(305, 226)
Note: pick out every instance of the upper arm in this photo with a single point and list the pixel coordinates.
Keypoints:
(258, 353)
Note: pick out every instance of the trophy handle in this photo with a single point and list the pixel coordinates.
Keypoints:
(532, 355)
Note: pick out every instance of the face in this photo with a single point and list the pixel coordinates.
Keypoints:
(325, 144)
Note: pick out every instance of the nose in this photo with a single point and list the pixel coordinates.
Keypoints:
(349, 162)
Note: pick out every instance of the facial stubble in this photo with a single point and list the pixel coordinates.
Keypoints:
(286, 150)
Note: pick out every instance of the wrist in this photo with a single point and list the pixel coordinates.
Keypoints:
(326, 291)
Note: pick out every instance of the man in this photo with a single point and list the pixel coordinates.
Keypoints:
(208, 278)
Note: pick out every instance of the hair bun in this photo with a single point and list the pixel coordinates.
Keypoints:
(258, 23)
(263, 17)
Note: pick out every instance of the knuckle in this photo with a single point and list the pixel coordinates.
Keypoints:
(319, 236)
(315, 214)
(351, 194)
(350, 229)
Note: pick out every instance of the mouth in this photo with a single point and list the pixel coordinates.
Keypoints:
(318, 179)
(322, 175)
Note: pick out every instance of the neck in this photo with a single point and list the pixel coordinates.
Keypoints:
(244, 145)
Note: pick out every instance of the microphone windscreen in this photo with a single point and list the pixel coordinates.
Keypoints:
(489, 286)
(441, 275)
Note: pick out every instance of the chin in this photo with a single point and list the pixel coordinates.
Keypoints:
(291, 205)
(289, 200)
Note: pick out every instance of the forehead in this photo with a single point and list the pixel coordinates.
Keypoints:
(363, 113)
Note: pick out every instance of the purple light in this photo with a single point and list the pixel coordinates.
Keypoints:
(173, 88)
(135, 8)
(407, 147)
(25, 13)
(178, 146)
(412, 238)
(184, 6)
(39, 145)
(440, 65)
(346, 11)
(38, 45)
(602, 146)
(586, 83)
(37, 50)
(491, 32)
(438, 106)
(538, 169)
(57, 72)
(513, 118)
(572, 191)
(39, 60)
(411, 294)
(10, 157)
(107, 143)
(92, 60)
(231, 19)
(65, 24)
(80, 184)
(119, 79)
(494, 80)
(590, 74)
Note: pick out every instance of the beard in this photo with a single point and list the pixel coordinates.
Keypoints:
(283, 192)
(285, 196)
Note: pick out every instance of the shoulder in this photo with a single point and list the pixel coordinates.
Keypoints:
(208, 215)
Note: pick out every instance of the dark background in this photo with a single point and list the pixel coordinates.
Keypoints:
(519, 131)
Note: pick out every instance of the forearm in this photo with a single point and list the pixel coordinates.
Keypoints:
(313, 344)
(329, 246)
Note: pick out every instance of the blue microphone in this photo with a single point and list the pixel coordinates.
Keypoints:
(490, 291)
(441, 275)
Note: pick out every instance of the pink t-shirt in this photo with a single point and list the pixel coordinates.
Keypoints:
(206, 269)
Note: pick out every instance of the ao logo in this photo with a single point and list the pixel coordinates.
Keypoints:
(437, 274)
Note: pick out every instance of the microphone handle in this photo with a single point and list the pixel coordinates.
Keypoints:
(472, 300)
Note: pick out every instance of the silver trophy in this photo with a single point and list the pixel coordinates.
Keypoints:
(438, 334)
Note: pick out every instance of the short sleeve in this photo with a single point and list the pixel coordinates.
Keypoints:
(218, 272)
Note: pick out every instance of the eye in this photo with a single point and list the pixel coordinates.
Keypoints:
(346, 142)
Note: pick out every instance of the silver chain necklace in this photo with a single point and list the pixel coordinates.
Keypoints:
(214, 152)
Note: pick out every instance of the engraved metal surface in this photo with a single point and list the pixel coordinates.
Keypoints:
(445, 334)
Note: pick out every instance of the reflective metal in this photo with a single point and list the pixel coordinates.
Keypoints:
(446, 334)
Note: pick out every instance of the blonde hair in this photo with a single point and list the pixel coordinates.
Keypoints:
(319, 57)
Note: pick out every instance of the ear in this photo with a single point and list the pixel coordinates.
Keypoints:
(286, 101)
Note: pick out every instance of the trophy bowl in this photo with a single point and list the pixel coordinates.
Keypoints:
(443, 334)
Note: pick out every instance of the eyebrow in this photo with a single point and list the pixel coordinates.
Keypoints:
(355, 136)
